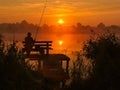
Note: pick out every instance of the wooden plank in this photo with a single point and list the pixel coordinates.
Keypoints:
(51, 56)
(55, 74)
(43, 42)
(40, 47)
(38, 44)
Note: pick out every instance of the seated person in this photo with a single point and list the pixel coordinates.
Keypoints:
(29, 42)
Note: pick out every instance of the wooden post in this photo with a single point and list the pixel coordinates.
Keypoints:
(47, 48)
(67, 65)
(39, 65)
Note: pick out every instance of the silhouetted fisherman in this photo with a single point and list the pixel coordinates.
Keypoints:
(29, 42)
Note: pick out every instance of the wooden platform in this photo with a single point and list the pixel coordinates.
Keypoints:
(52, 66)
(50, 56)
(55, 74)
(49, 64)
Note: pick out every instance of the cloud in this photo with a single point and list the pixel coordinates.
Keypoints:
(22, 7)
(18, 2)
(59, 8)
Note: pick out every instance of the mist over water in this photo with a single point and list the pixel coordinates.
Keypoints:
(72, 43)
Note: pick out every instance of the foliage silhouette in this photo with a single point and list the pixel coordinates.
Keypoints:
(82, 68)
(16, 74)
(104, 53)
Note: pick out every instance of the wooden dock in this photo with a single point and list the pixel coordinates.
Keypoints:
(50, 64)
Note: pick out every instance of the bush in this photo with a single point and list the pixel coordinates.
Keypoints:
(105, 53)
(16, 74)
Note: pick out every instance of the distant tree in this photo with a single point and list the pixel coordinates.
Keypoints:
(45, 27)
(101, 25)
(24, 22)
(114, 28)
(79, 26)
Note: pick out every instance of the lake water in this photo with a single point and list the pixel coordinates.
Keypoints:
(72, 43)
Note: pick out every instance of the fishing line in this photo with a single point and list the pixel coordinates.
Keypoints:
(38, 27)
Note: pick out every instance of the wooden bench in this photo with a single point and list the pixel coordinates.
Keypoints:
(41, 46)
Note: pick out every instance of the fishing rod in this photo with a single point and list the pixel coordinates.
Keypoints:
(43, 10)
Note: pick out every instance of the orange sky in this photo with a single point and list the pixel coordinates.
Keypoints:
(71, 11)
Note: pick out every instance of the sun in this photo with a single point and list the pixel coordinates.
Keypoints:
(60, 21)
(60, 42)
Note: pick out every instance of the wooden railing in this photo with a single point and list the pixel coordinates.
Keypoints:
(42, 46)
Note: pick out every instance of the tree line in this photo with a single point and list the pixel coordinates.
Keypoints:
(24, 26)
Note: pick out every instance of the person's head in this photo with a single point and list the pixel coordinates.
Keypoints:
(29, 34)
